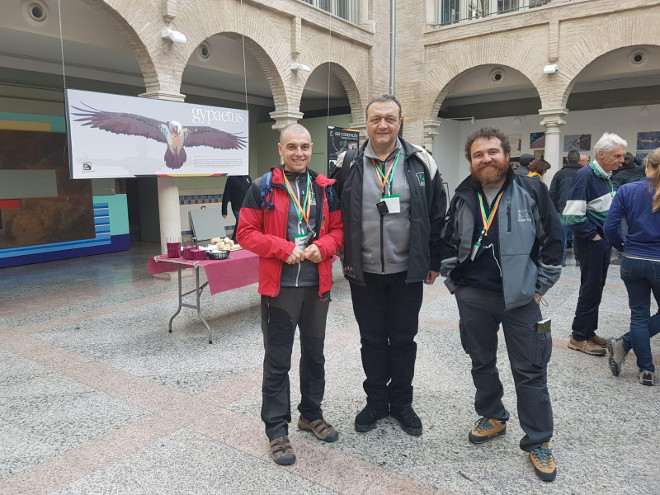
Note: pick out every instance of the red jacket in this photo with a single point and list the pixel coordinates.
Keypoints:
(262, 229)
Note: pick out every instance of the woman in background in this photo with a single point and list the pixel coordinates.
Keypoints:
(639, 204)
(537, 169)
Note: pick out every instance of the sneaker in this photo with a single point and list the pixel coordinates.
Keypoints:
(543, 462)
(281, 451)
(586, 346)
(487, 428)
(367, 418)
(599, 341)
(647, 378)
(320, 428)
(409, 421)
(617, 355)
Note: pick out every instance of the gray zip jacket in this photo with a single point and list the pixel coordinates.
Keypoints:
(531, 238)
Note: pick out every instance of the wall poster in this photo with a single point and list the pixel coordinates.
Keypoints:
(340, 140)
(578, 142)
(125, 136)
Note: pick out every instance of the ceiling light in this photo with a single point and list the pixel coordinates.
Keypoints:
(301, 67)
(174, 36)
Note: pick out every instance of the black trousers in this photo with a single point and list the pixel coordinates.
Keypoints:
(594, 257)
(481, 313)
(387, 312)
(293, 306)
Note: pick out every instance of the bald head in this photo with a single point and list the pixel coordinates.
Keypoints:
(293, 129)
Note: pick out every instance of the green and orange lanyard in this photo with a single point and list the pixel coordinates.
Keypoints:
(385, 180)
(302, 211)
(487, 220)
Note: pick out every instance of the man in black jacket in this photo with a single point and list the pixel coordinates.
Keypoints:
(235, 190)
(629, 171)
(393, 207)
(560, 190)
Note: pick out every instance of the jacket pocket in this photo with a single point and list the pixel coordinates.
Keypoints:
(541, 348)
(464, 338)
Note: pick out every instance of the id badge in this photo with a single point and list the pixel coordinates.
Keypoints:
(393, 203)
(302, 239)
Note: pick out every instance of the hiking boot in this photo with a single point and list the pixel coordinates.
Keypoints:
(281, 451)
(647, 378)
(617, 355)
(487, 428)
(586, 346)
(409, 421)
(543, 462)
(320, 428)
(367, 418)
(599, 341)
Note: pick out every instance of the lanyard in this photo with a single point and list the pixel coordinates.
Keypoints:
(386, 179)
(301, 211)
(487, 221)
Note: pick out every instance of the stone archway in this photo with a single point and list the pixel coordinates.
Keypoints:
(621, 32)
(265, 39)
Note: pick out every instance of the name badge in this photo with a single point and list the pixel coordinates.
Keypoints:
(302, 240)
(393, 203)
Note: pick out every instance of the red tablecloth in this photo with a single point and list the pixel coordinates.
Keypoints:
(240, 269)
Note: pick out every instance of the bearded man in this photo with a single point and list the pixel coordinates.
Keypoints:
(502, 250)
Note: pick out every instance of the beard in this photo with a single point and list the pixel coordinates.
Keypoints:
(490, 173)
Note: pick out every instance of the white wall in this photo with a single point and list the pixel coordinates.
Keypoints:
(624, 121)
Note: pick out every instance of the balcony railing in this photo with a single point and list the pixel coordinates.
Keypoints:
(455, 11)
(346, 9)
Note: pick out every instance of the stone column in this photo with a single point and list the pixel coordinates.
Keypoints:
(169, 215)
(285, 117)
(431, 129)
(552, 121)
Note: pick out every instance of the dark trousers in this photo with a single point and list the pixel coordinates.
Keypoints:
(293, 306)
(236, 215)
(387, 312)
(594, 257)
(481, 313)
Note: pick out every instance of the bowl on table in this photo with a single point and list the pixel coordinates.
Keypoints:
(217, 255)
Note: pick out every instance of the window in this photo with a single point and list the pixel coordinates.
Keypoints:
(346, 9)
(454, 11)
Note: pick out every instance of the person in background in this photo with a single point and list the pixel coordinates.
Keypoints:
(560, 189)
(537, 169)
(638, 203)
(525, 160)
(292, 220)
(629, 172)
(586, 209)
(235, 190)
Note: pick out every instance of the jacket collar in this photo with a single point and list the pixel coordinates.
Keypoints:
(319, 179)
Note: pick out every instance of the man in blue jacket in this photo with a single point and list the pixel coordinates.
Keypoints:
(502, 249)
(589, 202)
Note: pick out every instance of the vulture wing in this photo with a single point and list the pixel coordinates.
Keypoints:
(120, 123)
(214, 138)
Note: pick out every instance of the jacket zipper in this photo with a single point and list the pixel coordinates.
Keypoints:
(298, 193)
(508, 216)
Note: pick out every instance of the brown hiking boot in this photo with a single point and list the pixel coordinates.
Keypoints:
(485, 429)
(600, 341)
(586, 346)
(543, 462)
(281, 451)
(320, 428)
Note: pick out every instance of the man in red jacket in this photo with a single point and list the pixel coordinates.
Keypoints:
(292, 220)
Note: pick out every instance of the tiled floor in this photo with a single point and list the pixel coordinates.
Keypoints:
(97, 397)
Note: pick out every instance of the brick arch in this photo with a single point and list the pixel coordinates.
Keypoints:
(130, 21)
(622, 32)
(347, 62)
(265, 40)
(450, 63)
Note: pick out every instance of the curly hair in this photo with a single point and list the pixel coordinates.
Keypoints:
(487, 133)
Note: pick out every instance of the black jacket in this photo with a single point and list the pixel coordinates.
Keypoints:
(560, 187)
(235, 190)
(627, 175)
(428, 205)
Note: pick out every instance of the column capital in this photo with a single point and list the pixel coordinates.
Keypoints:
(283, 118)
(163, 95)
(431, 129)
(553, 119)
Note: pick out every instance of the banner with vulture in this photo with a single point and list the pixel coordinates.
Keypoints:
(113, 136)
